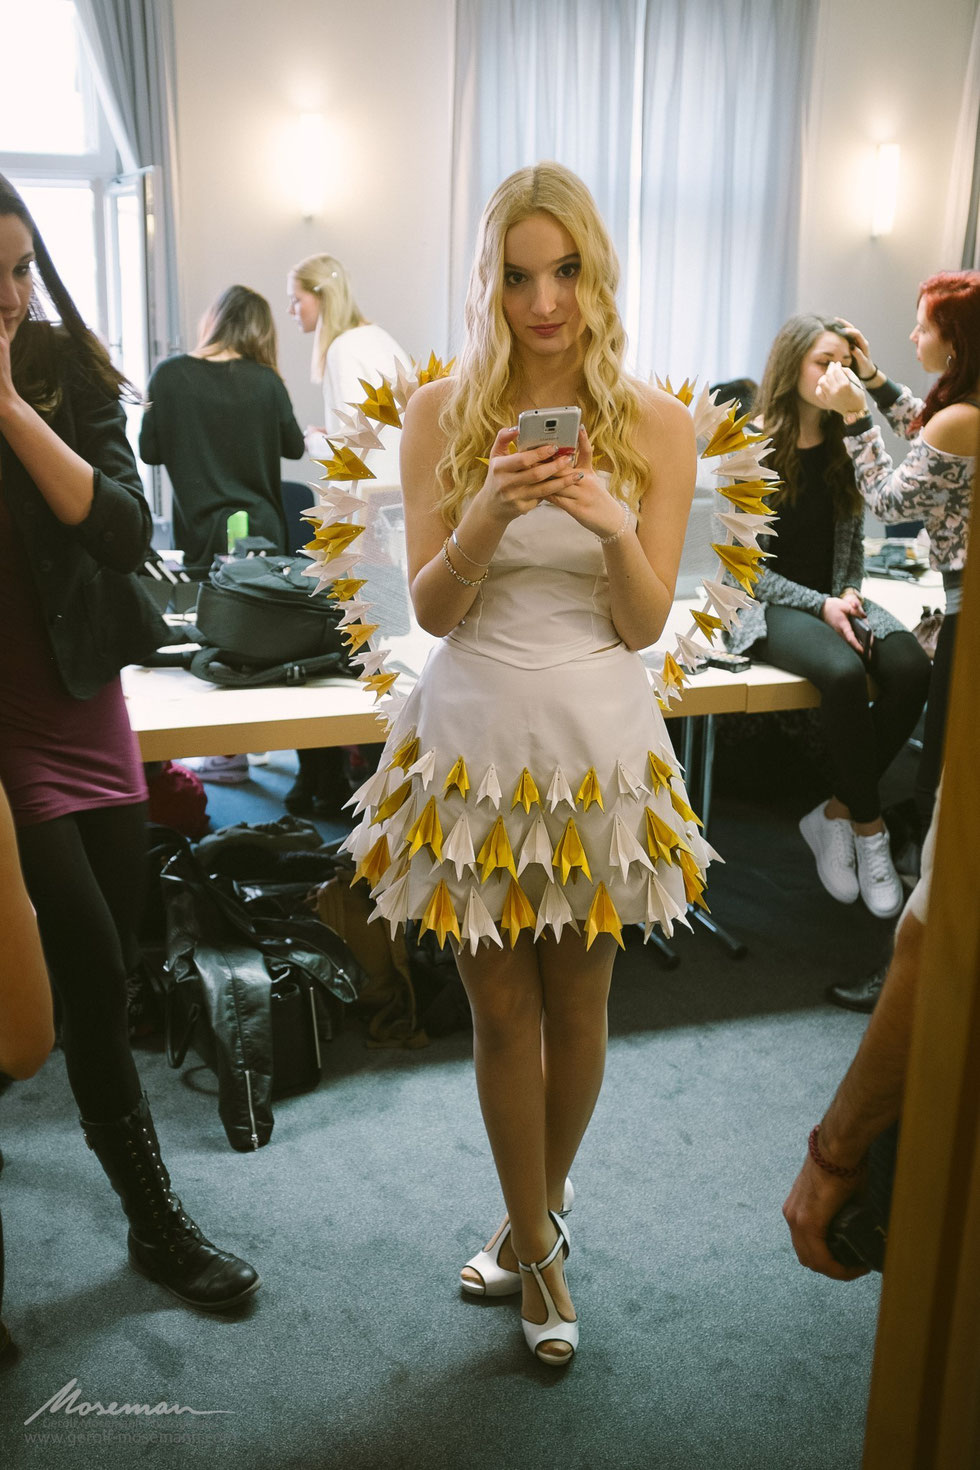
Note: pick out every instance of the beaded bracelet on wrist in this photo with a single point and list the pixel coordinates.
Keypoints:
(608, 540)
(838, 1170)
(466, 581)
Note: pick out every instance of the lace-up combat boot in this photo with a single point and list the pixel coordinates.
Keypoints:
(164, 1242)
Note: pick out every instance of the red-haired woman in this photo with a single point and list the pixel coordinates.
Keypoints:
(934, 483)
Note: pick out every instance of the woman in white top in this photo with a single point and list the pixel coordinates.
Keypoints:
(346, 348)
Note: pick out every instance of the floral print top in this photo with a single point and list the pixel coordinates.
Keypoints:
(930, 484)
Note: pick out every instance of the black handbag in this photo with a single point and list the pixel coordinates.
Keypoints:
(247, 991)
(261, 622)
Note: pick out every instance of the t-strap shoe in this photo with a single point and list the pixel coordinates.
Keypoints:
(555, 1329)
(496, 1280)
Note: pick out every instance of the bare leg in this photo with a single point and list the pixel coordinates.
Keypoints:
(506, 998)
(574, 1033)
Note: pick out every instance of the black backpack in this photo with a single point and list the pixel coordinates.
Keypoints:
(261, 622)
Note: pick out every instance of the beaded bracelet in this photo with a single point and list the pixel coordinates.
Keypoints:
(839, 1170)
(608, 540)
(466, 581)
(472, 560)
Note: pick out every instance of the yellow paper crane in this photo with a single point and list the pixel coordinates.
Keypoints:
(496, 852)
(440, 916)
(743, 562)
(517, 912)
(730, 435)
(406, 755)
(335, 538)
(682, 809)
(685, 393)
(693, 882)
(458, 779)
(748, 495)
(380, 683)
(345, 589)
(345, 464)
(661, 838)
(707, 622)
(426, 832)
(570, 854)
(526, 792)
(393, 802)
(358, 633)
(434, 369)
(672, 673)
(375, 865)
(589, 791)
(661, 774)
(379, 404)
(602, 918)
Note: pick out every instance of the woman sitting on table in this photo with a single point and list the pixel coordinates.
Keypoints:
(810, 617)
(935, 480)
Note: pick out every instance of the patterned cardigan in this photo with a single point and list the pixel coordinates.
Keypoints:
(929, 485)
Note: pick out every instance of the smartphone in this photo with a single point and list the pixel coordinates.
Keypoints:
(862, 632)
(556, 426)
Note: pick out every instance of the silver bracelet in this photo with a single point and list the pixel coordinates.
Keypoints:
(465, 554)
(608, 540)
(466, 581)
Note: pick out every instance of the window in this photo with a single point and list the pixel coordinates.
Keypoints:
(57, 148)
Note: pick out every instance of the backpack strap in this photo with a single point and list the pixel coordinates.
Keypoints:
(207, 664)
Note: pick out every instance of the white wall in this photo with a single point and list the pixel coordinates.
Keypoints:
(381, 75)
(885, 70)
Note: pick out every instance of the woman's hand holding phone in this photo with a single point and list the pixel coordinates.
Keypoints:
(517, 482)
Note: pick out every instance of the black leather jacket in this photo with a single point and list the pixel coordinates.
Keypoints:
(97, 615)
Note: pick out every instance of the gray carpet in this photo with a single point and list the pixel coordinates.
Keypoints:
(704, 1344)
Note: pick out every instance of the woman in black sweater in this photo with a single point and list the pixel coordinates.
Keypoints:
(220, 419)
(810, 612)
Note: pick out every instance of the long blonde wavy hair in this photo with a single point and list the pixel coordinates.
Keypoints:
(480, 400)
(329, 282)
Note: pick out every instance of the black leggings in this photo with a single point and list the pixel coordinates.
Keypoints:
(86, 875)
(862, 739)
(934, 736)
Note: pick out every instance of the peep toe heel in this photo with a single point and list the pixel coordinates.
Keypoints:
(496, 1280)
(555, 1328)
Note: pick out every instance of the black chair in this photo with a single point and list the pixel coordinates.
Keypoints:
(297, 498)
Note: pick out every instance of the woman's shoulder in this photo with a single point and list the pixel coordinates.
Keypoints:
(955, 429)
(424, 408)
(661, 414)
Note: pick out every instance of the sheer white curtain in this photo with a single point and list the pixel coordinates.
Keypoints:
(540, 79)
(685, 118)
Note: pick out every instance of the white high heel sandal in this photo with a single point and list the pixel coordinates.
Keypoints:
(496, 1280)
(555, 1328)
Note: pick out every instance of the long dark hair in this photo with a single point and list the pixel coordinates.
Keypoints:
(952, 301)
(778, 407)
(37, 349)
(240, 320)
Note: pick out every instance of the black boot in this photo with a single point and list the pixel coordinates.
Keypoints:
(164, 1243)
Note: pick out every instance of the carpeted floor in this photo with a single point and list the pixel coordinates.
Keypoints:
(704, 1344)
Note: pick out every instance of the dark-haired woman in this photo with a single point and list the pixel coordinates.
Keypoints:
(934, 482)
(809, 598)
(220, 419)
(73, 527)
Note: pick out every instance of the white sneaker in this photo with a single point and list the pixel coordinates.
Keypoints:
(831, 840)
(226, 770)
(881, 887)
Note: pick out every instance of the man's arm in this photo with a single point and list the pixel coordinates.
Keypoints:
(868, 1099)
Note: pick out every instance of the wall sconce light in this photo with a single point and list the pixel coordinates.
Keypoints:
(884, 191)
(311, 160)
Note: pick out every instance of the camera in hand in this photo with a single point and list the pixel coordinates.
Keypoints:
(862, 632)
